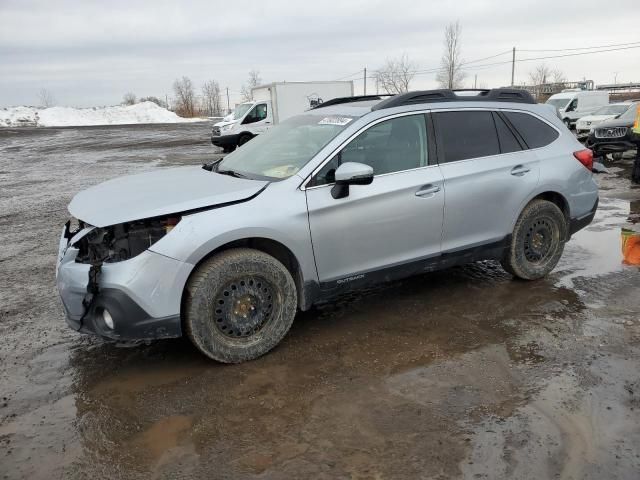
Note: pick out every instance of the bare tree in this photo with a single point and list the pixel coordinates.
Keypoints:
(395, 75)
(540, 75)
(253, 81)
(129, 99)
(557, 76)
(46, 98)
(211, 98)
(185, 97)
(451, 74)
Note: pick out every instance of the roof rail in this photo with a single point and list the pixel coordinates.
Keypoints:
(445, 95)
(341, 100)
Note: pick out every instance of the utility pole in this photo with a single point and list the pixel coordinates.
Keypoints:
(228, 106)
(475, 81)
(166, 100)
(615, 78)
(365, 80)
(513, 66)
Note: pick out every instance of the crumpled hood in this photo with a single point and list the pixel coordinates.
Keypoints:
(159, 192)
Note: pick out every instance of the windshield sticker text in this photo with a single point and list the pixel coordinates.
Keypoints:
(340, 121)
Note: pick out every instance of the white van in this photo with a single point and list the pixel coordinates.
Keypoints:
(272, 104)
(573, 104)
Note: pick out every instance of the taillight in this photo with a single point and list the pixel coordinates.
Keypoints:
(585, 157)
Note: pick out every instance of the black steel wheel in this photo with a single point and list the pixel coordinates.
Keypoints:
(239, 304)
(537, 242)
(244, 306)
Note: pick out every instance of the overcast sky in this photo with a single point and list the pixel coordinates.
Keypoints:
(92, 52)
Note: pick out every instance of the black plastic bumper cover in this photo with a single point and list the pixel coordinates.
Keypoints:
(225, 140)
(579, 223)
(131, 322)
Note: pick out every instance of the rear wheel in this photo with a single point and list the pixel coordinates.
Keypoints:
(244, 138)
(537, 242)
(239, 305)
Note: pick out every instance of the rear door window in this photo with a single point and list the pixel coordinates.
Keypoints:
(534, 131)
(466, 134)
(508, 141)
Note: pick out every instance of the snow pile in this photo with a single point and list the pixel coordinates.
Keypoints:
(144, 112)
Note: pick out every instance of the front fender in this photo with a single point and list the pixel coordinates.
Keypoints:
(286, 223)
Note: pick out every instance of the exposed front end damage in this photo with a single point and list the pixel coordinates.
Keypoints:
(113, 286)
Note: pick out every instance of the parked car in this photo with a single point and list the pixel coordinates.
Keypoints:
(585, 125)
(575, 104)
(274, 103)
(352, 193)
(615, 136)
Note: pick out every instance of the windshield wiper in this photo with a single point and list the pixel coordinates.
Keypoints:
(231, 173)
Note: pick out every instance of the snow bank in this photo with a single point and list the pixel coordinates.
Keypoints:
(145, 112)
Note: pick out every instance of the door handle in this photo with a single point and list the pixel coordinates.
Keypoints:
(519, 170)
(427, 190)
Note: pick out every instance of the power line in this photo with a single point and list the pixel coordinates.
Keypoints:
(577, 48)
(347, 76)
(486, 58)
(554, 56)
(517, 60)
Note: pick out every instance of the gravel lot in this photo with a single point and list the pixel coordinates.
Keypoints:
(464, 373)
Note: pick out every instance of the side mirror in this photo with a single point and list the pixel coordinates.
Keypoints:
(351, 173)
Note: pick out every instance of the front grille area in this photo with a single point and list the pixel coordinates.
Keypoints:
(611, 132)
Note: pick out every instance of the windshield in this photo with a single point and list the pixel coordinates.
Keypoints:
(630, 114)
(240, 110)
(612, 110)
(284, 149)
(559, 103)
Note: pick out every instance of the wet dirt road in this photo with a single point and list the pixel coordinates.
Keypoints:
(458, 374)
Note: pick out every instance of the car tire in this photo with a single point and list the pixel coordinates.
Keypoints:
(617, 156)
(244, 138)
(228, 149)
(239, 304)
(537, 242)
(567, 122)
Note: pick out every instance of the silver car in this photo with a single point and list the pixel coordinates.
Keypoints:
(358, 191)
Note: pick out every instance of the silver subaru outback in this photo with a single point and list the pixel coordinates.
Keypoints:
(358, 191)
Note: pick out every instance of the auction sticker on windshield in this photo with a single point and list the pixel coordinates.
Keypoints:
(341, 121)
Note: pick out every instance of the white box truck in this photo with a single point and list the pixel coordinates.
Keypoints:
(272, 103)
(574, 104)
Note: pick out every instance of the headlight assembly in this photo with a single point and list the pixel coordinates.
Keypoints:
(121, 242)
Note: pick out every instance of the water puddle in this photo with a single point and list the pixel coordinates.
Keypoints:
(599, 249)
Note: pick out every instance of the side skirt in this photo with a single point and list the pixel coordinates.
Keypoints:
(333, 288)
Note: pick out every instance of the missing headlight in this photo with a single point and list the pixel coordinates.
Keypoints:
(123, 241)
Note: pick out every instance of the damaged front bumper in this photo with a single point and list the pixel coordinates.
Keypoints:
(142, 295)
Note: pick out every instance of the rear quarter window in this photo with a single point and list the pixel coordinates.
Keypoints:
(533, 131)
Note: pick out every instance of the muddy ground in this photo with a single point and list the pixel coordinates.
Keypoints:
(459, 374)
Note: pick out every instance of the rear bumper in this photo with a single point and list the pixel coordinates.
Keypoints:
(578, 223)
(225, 140)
